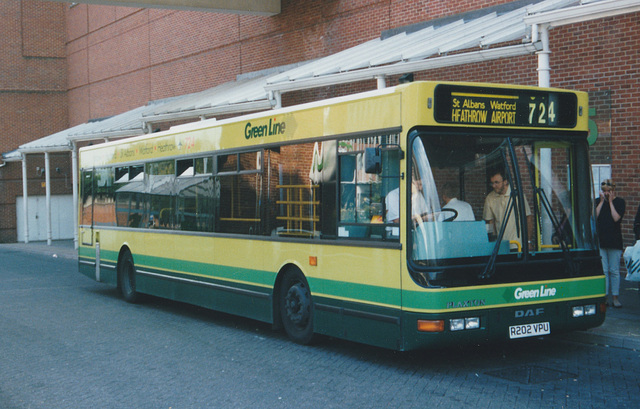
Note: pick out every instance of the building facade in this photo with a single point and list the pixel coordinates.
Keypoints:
(111, 59)
(33, 95)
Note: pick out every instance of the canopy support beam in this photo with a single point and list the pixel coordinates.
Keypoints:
(74, 178)
(47, 170)
(25, 203)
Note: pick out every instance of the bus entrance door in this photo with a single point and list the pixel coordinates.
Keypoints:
(86, 218)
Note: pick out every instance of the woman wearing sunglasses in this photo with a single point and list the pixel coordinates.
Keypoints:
(609, 213)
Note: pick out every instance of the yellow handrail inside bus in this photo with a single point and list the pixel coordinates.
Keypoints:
(299, 209)
(552, 246)
(239, 219)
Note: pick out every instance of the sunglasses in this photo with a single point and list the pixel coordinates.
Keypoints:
(608, 184)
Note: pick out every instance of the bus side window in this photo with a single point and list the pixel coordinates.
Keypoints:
(194, 195)
(159, 189)
(365, 198)
(240, 194)
(104, 213)
(86, 191)
(129, 186)
(295, 195)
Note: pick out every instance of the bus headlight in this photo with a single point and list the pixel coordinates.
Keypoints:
(578, 311)
(590, 309)
(582, 310)
(456, 324)
(472, 323)
(459, 324)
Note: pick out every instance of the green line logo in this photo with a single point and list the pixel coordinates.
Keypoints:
(272, 128)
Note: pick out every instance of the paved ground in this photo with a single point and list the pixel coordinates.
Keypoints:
(621, 328)
(69, 342)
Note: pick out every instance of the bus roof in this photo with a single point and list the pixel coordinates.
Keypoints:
(378, 111)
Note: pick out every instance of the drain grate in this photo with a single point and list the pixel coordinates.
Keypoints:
(529, 374)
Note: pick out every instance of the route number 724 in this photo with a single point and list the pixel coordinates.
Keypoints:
(540, 113)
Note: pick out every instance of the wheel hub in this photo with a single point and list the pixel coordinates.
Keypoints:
(297, 303)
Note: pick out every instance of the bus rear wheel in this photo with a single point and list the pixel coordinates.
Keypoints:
(127, 278)
(296, 307)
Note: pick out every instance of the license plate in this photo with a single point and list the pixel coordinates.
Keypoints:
(529, 330)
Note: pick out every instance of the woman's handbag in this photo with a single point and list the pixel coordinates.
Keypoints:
(632, 261)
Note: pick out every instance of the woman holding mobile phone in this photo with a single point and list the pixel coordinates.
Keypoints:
(609, 212)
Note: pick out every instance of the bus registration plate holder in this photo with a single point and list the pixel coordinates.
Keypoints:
(529, 330)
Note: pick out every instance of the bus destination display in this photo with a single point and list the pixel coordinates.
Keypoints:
(502, 107)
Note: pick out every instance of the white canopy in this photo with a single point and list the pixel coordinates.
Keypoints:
(470, 37)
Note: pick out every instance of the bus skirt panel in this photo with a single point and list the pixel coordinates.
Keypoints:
(358, 322)
(503, 324)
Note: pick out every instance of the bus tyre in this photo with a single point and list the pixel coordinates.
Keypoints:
(127, 278)
(296, 307)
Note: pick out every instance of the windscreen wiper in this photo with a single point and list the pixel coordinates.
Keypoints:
(490, 268)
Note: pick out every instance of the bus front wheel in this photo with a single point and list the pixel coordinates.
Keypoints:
(296, 307)
(127, 278)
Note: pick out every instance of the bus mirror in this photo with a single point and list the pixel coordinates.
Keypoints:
(372, 161)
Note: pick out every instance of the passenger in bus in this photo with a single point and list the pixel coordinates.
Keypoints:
(392, 206)
(463, 209)
(419, 208)
(495, 207)
(134, 220)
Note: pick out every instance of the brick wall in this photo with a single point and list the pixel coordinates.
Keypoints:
(119, 58)
(602, 57)
(147, 54)
(32, 95)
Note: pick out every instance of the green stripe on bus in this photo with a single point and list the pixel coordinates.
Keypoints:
(426, 300)
(260, 277)
(518, 293)
(357, 292)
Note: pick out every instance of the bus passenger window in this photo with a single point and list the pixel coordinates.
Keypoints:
(129, 196)
(194, 195)
(86, 190)
(239, 185)
(297, 189)
(369, 203)
(160, 177)
(104, 213)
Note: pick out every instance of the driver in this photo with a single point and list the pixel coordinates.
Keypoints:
(464, 210)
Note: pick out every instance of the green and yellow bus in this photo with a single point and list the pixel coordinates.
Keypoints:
(426, 214)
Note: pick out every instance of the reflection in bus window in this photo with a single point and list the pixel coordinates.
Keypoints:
(159, 188)
(130, 197)
(104, 213)
(297, 187)
(86, 217)
(240, 193)
(194, 189)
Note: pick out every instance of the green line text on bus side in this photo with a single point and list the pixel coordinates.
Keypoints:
(272, 128)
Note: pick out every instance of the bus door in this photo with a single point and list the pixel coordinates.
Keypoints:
(86, 216)
(86, 208)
